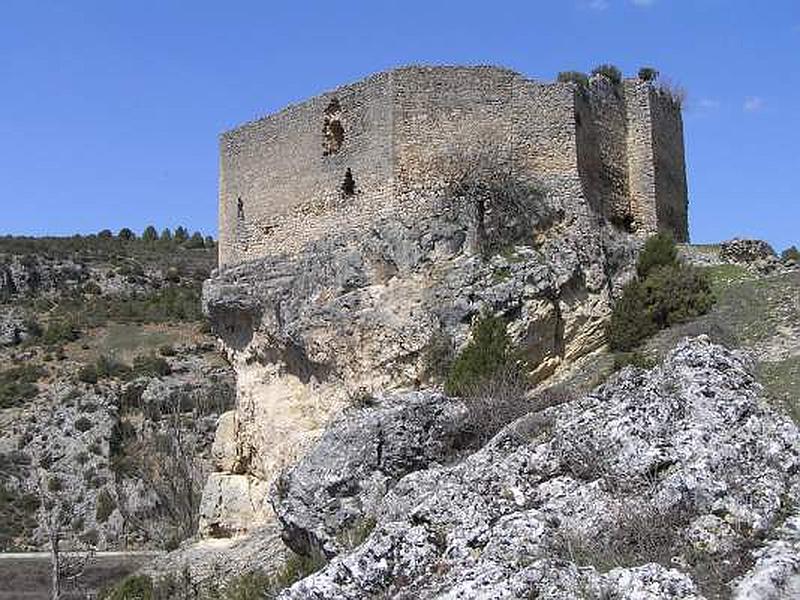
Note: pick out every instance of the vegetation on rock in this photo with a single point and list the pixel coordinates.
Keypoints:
(610, 72)
(486, 354)
(665, 292)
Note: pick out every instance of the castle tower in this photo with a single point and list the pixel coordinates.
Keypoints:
(358, 153)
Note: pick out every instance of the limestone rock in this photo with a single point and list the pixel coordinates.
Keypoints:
(14, 327)
(746, 251)
(657, 472)
(223, 450)
(338, 486)
(309, 334)
(231, 504)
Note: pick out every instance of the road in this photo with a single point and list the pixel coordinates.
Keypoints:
(26, 575)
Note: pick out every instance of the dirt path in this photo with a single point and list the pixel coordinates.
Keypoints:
(26, 576)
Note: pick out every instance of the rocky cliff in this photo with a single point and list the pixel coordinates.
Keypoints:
(311, 334)
(657, 485)
(109, 391)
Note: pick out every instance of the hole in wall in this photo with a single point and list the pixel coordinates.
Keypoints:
(240, 208)
(348, 184)
(332, 128)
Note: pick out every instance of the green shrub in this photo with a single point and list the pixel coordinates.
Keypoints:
(630, 321)
(133, 587)
(83, 424)
(196, 241)
(150, 234)
(581, 79)
(149, 364)
(18, 384)
(677, 293)
(297, 567)
(167, 350)
(634, 359)
(88, 374)
(18, 512)
(437, 357)
(610, 72)
(104, 507)
(60, 331)
(659, 251)
(666, 292)
(648, 74)
(485, 355)
(126, 234)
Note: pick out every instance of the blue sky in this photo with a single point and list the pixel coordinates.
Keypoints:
(110, 110)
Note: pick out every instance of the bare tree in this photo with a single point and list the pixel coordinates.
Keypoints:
(501, 207)
(166, 460)
(57, 513)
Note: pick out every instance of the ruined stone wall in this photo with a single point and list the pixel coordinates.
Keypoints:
(544, 139)
(602, 149)
(447, 117)
(612, 151)
(288, 169)
(656, 163)
(670, 169)
(641, 168)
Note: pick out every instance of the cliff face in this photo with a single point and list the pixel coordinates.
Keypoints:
(348, 318)
(658, 484)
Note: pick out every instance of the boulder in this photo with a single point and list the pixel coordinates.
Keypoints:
(231, 505)
(746, 251)
(334, 491)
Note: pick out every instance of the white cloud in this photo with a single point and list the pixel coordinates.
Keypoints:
(753, 104)
(598, 4)
(708, 104)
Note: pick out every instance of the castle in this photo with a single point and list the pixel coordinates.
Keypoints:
(339, 160)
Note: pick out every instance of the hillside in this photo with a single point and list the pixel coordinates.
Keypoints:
(669, 468)
(109, 390)
(666, 472)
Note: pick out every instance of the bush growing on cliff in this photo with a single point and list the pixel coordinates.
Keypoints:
(610, 72)
(659, 251)
(648, 74)
(18, 384)
(664, 293)
(581, 79)
(487, 354)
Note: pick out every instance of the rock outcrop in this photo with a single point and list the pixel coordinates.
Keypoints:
(347, 318)
(335, 491)
(657, 485)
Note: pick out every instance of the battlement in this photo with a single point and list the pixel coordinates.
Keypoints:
(349, 156)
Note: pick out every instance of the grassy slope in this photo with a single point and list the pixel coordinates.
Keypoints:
(761, 313)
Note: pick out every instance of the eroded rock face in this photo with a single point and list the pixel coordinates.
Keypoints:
(353, 317)
(338, 486)
(630, 492)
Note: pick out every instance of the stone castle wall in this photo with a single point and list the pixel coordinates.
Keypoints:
(616, 151)
(278, 166)
(672, 207)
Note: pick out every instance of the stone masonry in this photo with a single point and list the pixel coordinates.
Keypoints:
(339, 161)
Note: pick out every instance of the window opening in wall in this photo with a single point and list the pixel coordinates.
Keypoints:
(349, 184)
(332, 129)
(240, 208)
